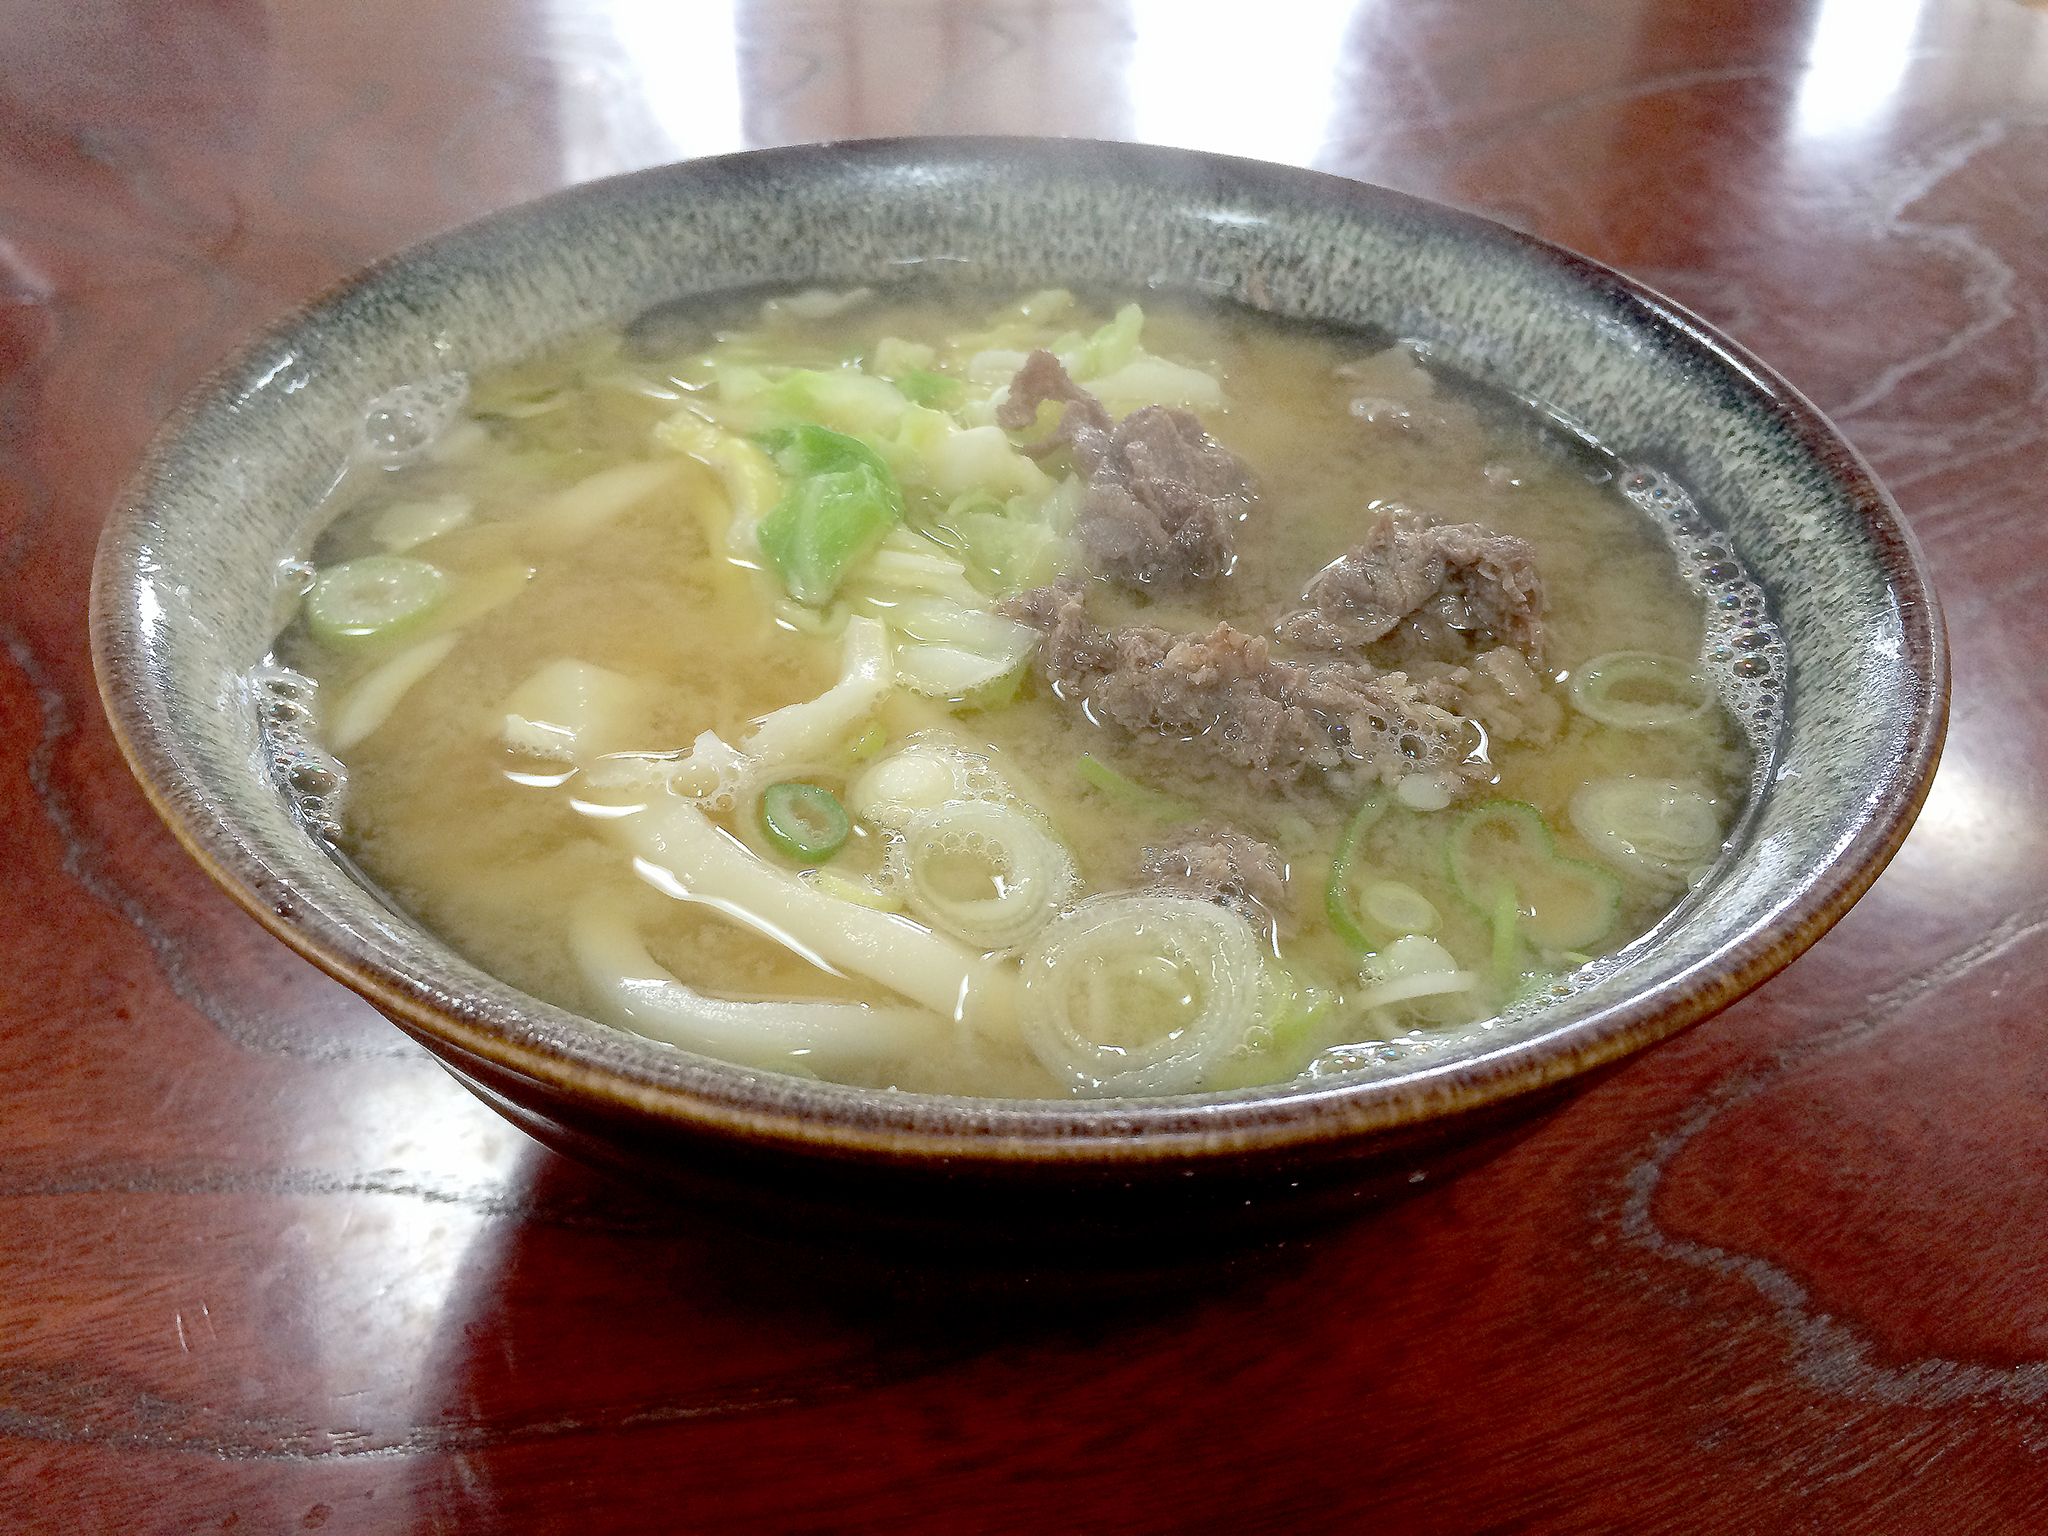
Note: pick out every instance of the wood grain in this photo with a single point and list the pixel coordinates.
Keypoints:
(263, 1267)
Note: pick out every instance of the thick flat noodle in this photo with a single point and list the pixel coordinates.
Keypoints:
(1458, 586)
(1223, 693)
(1163, 497)
(1215, 862)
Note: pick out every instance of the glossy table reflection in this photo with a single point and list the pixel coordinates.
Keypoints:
(263, 1267)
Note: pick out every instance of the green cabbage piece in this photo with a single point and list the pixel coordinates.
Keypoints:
(841, 501)
(1010, 554)
(1108, 349)
(842, 398)
(920, 386)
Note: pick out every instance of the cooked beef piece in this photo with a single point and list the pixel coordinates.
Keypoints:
(1163, 498)
(1218, 863)
(1085, 426)
(1457, 585)
(1505, 695)
(1225, 695)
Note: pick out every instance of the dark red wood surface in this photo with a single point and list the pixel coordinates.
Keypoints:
(263, 1267)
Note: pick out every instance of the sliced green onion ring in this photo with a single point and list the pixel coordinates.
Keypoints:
(372, 597)
(992, 875)
(1143, 994)
(1153, 802)
(1506, 918)
(1641, 691)
(1661, 827)
(804, 821)
(1561, 903)
(1414, 967)
(1406, 989)
(1337, 898)
(925, 772)
(1399, 907)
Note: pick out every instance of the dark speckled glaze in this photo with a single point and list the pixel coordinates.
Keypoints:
(182, 607)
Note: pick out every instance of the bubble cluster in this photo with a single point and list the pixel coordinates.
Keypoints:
(987, 873)
(402, 423)
(311, 781)
(927, 771)
(1742, 651)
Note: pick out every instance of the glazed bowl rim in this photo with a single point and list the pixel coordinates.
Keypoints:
(865, 1124)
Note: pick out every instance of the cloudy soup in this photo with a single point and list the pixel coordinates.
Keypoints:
(1034, 696)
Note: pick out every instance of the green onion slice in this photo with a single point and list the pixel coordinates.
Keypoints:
(1502, 852)
(1153, 802)
(804, 821)
(1338, 900)
(1143, 993)
(1507, 912)
(1657, 826)
(373, 597)
(1398, 907)
(992, 875)
(1641, 691)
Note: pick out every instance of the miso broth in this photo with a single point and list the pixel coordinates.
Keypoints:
(755, 687)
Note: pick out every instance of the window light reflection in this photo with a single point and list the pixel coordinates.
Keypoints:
(1244, 80)
(1857, 61)
(655, 81)
(1966, 823)
(377, 1262)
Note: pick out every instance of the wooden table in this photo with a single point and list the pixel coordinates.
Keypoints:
(263, 1267)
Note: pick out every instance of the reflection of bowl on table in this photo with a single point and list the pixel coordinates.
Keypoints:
(230, 489)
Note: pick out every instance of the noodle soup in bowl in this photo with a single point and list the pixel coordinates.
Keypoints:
(984, 682)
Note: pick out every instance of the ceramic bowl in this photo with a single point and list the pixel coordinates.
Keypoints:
(183, 607)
